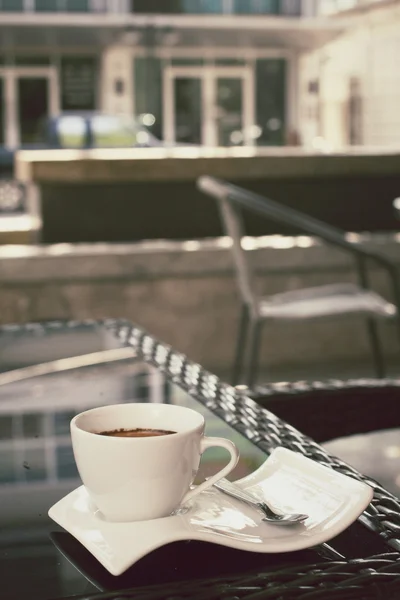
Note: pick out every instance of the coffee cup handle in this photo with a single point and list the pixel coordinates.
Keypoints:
(209, 442)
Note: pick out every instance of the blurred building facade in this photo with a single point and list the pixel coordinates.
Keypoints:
(349, 89)
(211, 72)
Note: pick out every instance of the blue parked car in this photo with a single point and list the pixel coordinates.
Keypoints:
(98, 130)
(87, 130)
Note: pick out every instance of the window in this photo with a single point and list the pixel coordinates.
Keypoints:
(270, 102)
(203, 6)
(46, 5)
(157, 6)
(7, 471)
(33, 466)
(179, 6)
(141, 387)
(230, 62)
(66, 467)
(6, 427)
(12, 5)
(196, 7)
(257, 6)
(62, 421)
(187, 62)
(35, 60)
(32, 425)
(77, 5)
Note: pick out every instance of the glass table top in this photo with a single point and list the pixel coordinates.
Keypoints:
(47, 375)
(37, 467)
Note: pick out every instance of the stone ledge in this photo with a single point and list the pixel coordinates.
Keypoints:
(269, 255)
(177, 164)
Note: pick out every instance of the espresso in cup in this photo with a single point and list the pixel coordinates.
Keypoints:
(138, 461)
(136, 432)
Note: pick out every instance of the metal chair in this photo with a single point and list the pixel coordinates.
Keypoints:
(323, 301)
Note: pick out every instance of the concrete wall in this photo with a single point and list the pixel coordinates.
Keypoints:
(366, 53)
(185, 294)
(116, 66)
(128, 195)
(177, 210)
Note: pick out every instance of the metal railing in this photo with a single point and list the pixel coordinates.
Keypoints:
(65, 6)
(288, 8)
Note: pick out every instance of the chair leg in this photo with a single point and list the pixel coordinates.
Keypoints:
(375, 343)
(240, 345)
(254, 355)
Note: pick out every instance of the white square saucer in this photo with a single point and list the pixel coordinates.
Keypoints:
(287, 479)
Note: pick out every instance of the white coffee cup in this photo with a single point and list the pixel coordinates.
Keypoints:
(141, 478)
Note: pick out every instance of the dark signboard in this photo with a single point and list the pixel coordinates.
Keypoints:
(79, 78)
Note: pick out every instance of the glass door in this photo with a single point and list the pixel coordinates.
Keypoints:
(229, 121)
(188, 110)
(33, 109)
(211, 106)
(233, 110)
(183, 105)
(29, 95)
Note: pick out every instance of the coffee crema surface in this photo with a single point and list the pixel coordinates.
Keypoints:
(136, 433)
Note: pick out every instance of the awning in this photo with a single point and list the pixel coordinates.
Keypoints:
(93, 30)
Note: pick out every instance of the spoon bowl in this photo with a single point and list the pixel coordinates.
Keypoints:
(270, 514)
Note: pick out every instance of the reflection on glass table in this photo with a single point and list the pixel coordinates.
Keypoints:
(34, 424)
(37, 467)
(35, 445)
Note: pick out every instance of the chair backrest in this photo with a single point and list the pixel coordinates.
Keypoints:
(236, 197)
(265, 207)
(233, 226)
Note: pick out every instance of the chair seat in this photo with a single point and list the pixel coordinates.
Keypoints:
(322, 301)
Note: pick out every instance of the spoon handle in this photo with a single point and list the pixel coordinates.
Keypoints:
(236, 492)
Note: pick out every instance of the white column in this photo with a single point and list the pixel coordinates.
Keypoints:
(309, 8)
(291, 93)
(116, 64)
(11, 116)
(124, 6)
(209, 108)
(29, 5)
(227, 7)
(249, 106)
(54, 93)
(117, 6)
(168, 106)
